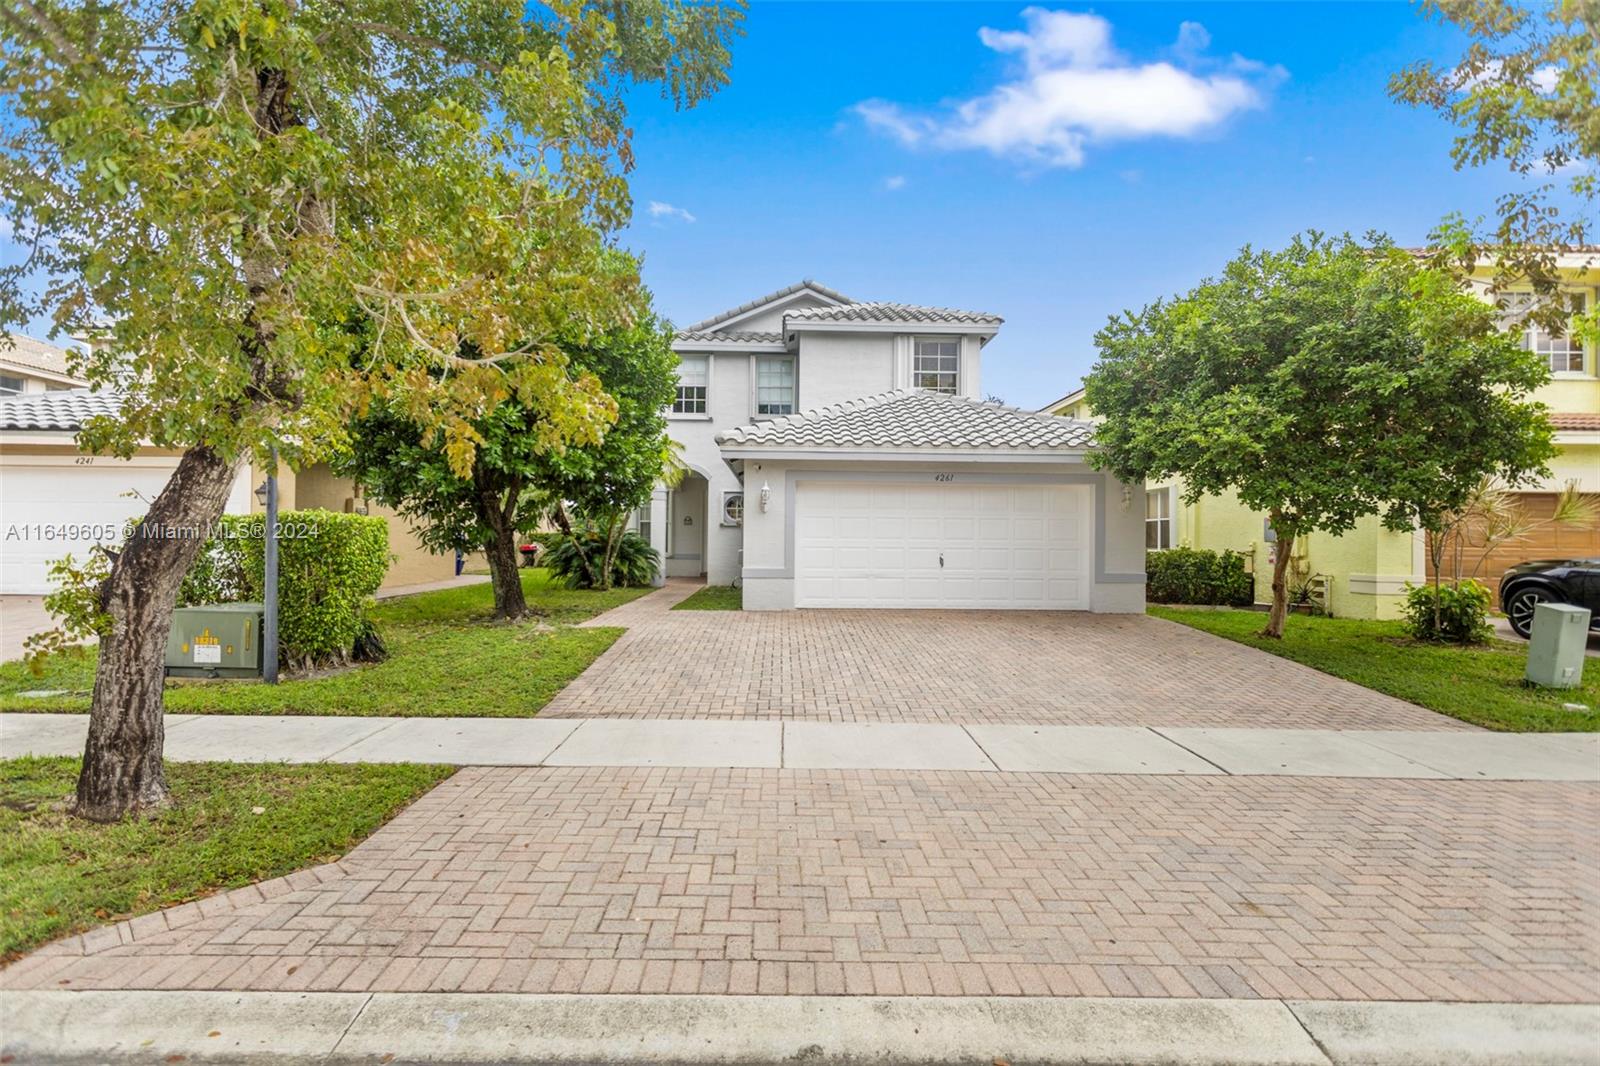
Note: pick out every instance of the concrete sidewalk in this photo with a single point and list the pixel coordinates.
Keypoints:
(331, 1027)
(846, 746)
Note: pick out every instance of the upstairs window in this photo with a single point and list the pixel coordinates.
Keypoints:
(775, 385)
(1158, 520)
(1562, 352)
(10, 386)
(936, 365)
(693, 372)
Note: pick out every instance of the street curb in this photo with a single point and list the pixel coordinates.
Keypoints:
(57, 1027)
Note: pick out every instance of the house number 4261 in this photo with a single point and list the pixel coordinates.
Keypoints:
(944, 477)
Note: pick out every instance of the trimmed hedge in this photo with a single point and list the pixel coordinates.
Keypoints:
(329, 566)
(1192, 575)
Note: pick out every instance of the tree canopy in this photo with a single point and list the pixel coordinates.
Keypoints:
(1322, 383)
(1525, 93)
(275, 213)
(516, 479)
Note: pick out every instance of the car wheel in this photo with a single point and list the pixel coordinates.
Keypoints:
(1519, 610)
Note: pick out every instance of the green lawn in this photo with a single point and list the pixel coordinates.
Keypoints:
(446, 659)
(59, 875)
(1479, 685)
(713, 598)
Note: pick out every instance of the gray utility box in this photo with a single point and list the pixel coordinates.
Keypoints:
(1555, 650)
(216, 640)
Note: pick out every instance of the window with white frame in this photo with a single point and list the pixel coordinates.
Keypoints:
(642, 523)
(1158, 519)
(775, 385)
(1562, 352)
(936, 364)
(10, 386)
(693, 372)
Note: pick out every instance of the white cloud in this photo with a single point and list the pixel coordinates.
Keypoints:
(661, 210)
(1193, 40)
(1075, 89)
(895, 182)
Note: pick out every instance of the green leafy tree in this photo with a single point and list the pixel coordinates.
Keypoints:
(517, 479)
(277, 211)
(1525, 93)
(1323, 383)
(599, 486)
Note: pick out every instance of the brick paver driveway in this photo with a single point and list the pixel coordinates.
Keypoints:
(874, 882)
(894, 882)
(957, 666)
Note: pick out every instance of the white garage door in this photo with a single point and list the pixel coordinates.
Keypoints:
(942, 544)
(52, 508)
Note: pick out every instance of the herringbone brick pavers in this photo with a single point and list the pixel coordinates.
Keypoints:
(967, 667)
(918, 883)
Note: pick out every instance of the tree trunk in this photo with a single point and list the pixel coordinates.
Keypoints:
(122, 772)
(504, 576)
(1280, 587)
(497, 510)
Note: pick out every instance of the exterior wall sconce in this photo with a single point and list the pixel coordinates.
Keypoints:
(766, 496)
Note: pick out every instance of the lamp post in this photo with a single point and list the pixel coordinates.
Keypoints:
(268, 495)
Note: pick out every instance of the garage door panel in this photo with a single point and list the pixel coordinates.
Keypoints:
(1003, 546)
(81, 504)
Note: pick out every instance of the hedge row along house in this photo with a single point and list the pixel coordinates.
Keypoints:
(1363, 573)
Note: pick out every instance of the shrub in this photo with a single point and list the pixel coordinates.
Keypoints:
(636, 563)
(1448, 613)
(329, 565)
(1191, 575)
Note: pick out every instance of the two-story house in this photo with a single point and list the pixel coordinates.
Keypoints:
(839, 455)
(1364, 573)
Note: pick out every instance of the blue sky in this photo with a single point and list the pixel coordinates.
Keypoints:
(1109, 155)
(1054, 223)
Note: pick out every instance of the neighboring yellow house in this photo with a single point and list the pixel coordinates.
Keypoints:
(1363, 573)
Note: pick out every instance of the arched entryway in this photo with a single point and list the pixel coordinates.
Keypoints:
(686, 526)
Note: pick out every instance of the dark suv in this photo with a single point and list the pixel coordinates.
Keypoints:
(1526, 585)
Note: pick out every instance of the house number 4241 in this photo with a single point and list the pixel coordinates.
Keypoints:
(944, 477)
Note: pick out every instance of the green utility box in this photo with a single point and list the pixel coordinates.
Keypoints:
(1555, 650)
(216, 640)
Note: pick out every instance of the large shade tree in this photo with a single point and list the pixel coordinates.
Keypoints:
(517, 480)
(1322, 383)
(276, 211)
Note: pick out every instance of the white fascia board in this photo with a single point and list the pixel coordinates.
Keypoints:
(1577, 436)
(696, 347)
(908, 455)
(45, 375)
(63, 438)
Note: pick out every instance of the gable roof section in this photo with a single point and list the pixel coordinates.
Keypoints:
(64, 410)
(22, 351)
(881, 311)
(916, 420)
(806, 285)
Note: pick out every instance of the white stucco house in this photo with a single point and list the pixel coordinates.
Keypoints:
(840, 455)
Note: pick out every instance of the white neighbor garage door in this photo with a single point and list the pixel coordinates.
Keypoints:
(51, 509)
(942, 544)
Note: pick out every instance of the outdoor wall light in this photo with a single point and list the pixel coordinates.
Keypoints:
(766, 496)
(261, 494)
